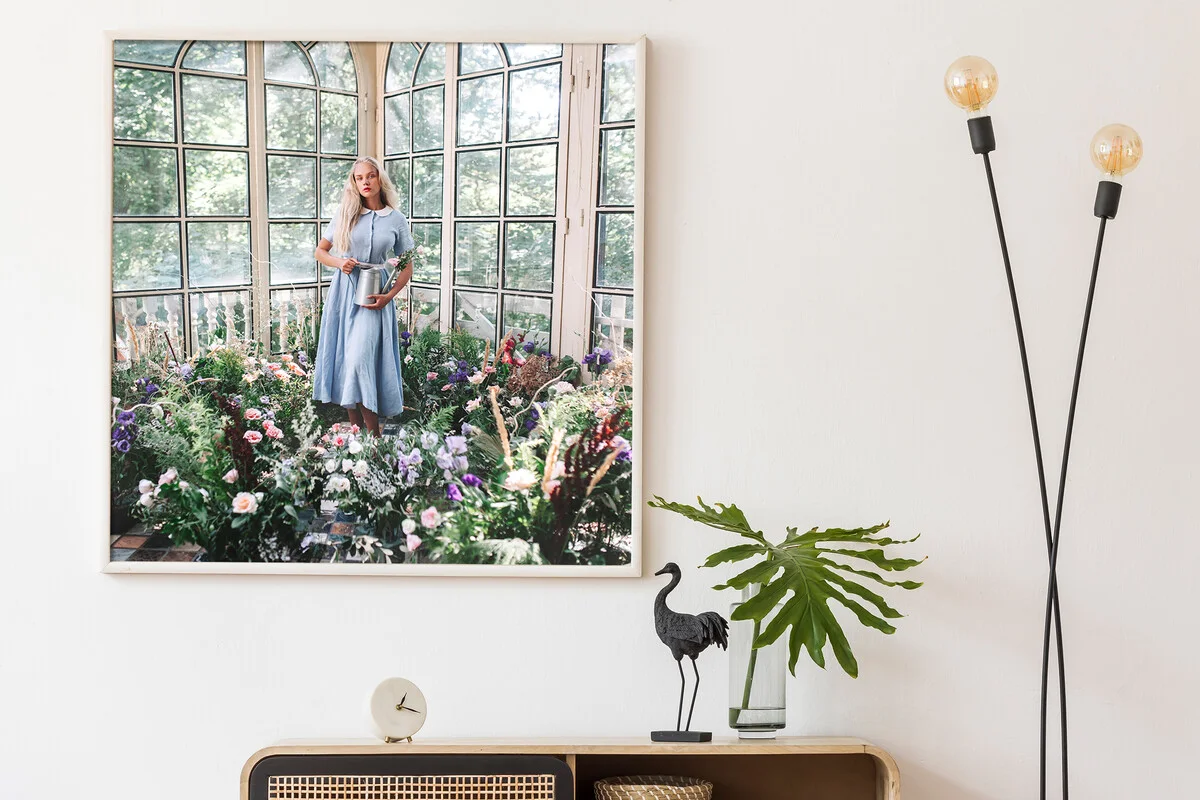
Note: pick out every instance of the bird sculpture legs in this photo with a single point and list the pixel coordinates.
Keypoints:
(695, 689)
(682, 683)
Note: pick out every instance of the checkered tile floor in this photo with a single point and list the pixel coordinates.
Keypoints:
(139, 544)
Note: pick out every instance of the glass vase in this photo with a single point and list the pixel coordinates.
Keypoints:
(757, 687)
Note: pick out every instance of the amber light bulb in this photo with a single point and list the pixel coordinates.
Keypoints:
(971, 83)
(1116, 150)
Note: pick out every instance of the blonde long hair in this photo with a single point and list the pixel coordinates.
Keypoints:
(351, 206)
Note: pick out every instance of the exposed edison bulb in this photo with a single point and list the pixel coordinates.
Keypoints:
(1116, 150)
(971, 83)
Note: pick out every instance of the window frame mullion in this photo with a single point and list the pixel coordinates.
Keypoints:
(449, 187)
(260, 290)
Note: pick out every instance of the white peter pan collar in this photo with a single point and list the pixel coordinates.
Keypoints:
(383, 212)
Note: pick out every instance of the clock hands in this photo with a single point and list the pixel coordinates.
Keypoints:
(401, 707)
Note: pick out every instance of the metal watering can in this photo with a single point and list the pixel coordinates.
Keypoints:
(373, 279)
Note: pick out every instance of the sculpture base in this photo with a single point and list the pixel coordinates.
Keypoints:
(681, 736)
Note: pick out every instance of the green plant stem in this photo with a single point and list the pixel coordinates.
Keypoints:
(750, 668)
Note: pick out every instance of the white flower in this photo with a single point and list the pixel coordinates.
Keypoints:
(168, 477)
(360, 468)
(520, 480)
(116, 401)
(157, 411)
(408, 359)
(571, 440)
(231, 476)
(562, 387)
(408, 526)
(476, 378)
(204, 493)
(245, 503)
(559, 468)
(339, 483)
(147, 499)
(473, 404)
(331, 465)
(431, 517)
(347, 464)
(355, 447)
(145, 486)
(515, 402)
(184, 484)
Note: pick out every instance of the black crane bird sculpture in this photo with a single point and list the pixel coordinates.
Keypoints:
(687, 635)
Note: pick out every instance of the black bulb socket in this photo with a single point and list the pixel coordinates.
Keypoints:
(983, 138)
(1108, 198)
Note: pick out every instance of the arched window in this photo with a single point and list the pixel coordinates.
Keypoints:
(181, 191)
(612, 259)
(485, 163)
(312, 110)
(227, 157)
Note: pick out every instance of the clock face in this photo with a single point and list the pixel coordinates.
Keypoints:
(397, 708)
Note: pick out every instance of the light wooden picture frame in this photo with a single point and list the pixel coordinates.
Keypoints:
(519, 171)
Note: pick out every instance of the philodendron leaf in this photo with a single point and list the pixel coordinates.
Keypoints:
(739, 552)
(798, 579)
(726, 518)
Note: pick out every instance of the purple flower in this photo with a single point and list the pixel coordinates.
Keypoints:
(590, 358)
(444, 459)
(122, 446)
(530, 424)
(529, 347)
(460, 463)
(605, 356)
(457, 444)
(453, 492)
(467, 428)
(404, 337)
(186, 371)
(302, 357)
(124, 417)
(472, 480)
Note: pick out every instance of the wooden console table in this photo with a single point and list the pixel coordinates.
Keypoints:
(787, 768)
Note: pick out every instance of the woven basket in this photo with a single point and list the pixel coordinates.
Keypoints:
(653, 787)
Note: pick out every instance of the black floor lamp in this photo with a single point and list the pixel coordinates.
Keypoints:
(971, 82)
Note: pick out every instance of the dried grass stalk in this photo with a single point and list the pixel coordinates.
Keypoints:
(500, 426)
(608, 461)
(551, 458)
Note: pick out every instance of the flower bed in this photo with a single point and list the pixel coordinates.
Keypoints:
(517, 457)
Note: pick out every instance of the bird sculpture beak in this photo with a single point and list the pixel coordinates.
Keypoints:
(662, 571)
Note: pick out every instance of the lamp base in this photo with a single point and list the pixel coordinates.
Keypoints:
(681, 736)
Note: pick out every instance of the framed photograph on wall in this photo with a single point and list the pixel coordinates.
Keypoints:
(374, 306)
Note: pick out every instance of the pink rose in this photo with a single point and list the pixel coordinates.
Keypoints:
(339, 441)
(413, 541)
(335, 427)
(431, 376)
(430, 517)
(489, 370)
(245, 503)
(253, 413)
(231, 476)
(354, 429)
(253, 437)
(275, 433)
(447, 388)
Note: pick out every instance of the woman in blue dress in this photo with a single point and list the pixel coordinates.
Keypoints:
(358, 355)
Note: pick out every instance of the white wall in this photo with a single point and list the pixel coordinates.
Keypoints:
(828, 341)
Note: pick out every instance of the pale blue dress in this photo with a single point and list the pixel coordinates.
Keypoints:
(358, 355)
